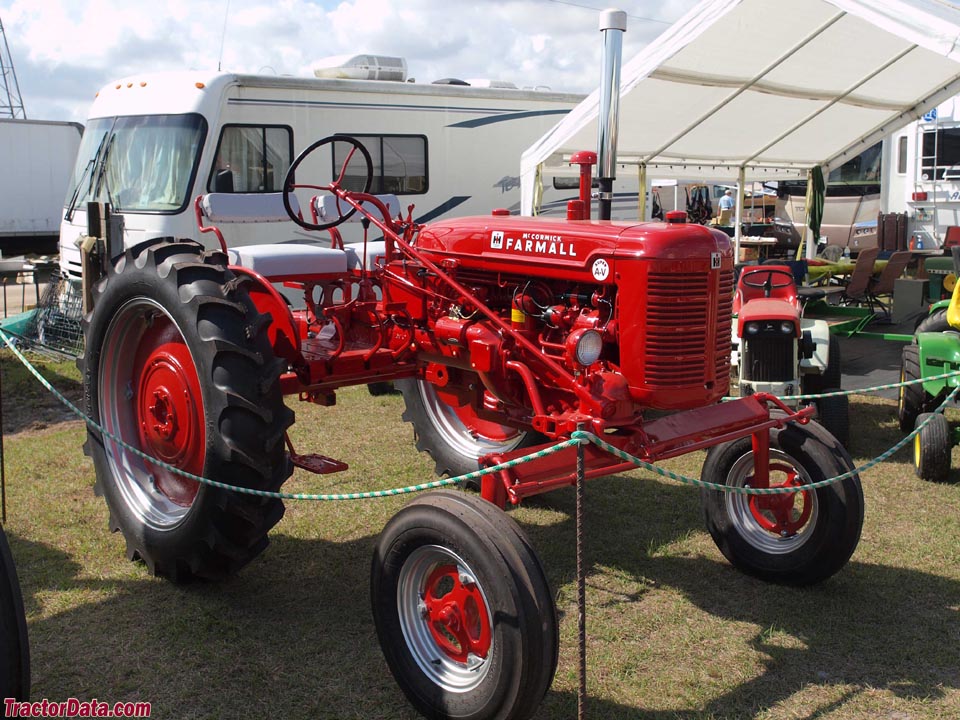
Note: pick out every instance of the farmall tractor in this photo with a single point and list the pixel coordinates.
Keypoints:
(777, 350)
(507, 334)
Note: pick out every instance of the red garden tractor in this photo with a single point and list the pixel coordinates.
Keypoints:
(779, 351)
(506, 334)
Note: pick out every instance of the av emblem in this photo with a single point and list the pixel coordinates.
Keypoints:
(496, 240)
(601, 269)
(714, 261)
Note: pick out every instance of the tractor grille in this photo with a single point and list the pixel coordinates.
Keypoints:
(678, 317)
(769, 359)
(724, 325)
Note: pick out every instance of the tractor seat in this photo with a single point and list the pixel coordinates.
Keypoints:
(809, 294)
(290, 261)
(355, 258)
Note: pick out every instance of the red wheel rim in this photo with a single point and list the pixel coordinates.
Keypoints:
(780, 513)
(495, 432)
(169, 409)
(456, 614)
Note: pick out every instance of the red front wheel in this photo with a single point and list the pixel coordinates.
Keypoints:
(795, 537)
(462, 608)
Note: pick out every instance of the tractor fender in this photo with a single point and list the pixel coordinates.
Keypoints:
(939, 305)
(939, 353)
(282, 330)
(820, 335)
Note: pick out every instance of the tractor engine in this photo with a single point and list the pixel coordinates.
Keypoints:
(638, 314)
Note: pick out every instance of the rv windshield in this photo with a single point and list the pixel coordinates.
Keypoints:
(139, 163)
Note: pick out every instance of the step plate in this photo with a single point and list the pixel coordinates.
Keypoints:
(319, 464)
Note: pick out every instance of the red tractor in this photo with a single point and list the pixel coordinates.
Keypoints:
(506, 334)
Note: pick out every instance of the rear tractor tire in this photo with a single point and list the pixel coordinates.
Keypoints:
(178, 365)
(913, 399)
(463, 611)
(834, 414)
(14, 643)
(454, 436)
(797, 538)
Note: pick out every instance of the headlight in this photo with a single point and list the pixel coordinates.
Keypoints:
(751, 328)
(587, 346)
(786, 327)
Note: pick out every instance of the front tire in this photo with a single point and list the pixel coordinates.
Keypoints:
(454, 436)
(178, 365)
(932, 448)
(463, 612)
(797, 538)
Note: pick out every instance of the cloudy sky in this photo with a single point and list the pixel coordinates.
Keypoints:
(65, 50)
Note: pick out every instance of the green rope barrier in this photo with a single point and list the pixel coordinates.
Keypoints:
(267, 493)
(577, 438)
(863, 391)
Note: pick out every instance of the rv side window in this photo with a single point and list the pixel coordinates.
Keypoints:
(902, 155)
(562, 182)
(941, 154)
(399, 164)
(251, 158)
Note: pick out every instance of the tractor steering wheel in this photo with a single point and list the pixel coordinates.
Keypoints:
(289, 186)
(773, 279)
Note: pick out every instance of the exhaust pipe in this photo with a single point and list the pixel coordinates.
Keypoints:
(613, 23)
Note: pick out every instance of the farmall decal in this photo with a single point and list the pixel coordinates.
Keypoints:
(533, 243)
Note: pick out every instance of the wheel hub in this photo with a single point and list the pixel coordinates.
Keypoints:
(170, 417)
(456, 614)
(779, 513)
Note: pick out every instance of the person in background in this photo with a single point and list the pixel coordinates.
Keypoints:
(726, 202)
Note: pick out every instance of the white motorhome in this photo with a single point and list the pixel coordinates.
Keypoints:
(37, 157)
(922, 177)
(155, 142)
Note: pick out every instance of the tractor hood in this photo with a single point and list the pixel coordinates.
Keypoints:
(581, 250)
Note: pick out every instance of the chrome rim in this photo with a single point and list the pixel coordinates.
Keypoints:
(775, 524)
(469, 442)
(150, 397)
(445, 618)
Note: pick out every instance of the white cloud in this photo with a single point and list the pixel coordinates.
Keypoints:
(64, 52)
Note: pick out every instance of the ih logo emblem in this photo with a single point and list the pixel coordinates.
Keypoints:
(496, 240)
(714, 261)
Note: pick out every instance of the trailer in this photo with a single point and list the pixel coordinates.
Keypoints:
(922, 177)
(157, 141)
(37, 157)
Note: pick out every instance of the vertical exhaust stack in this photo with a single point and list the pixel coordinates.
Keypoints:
(613, 23)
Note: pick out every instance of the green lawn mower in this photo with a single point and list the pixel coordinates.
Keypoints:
(935, 350)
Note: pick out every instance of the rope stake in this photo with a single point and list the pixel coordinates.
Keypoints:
(578, 437)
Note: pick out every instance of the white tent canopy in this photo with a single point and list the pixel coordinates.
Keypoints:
(768, 89)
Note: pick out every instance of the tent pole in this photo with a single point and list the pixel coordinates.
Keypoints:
(738, 218)
(642, 195)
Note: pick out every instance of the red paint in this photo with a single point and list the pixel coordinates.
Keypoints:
(169, 408)
(456, 614)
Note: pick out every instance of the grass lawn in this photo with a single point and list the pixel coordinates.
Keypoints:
(674, 631)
